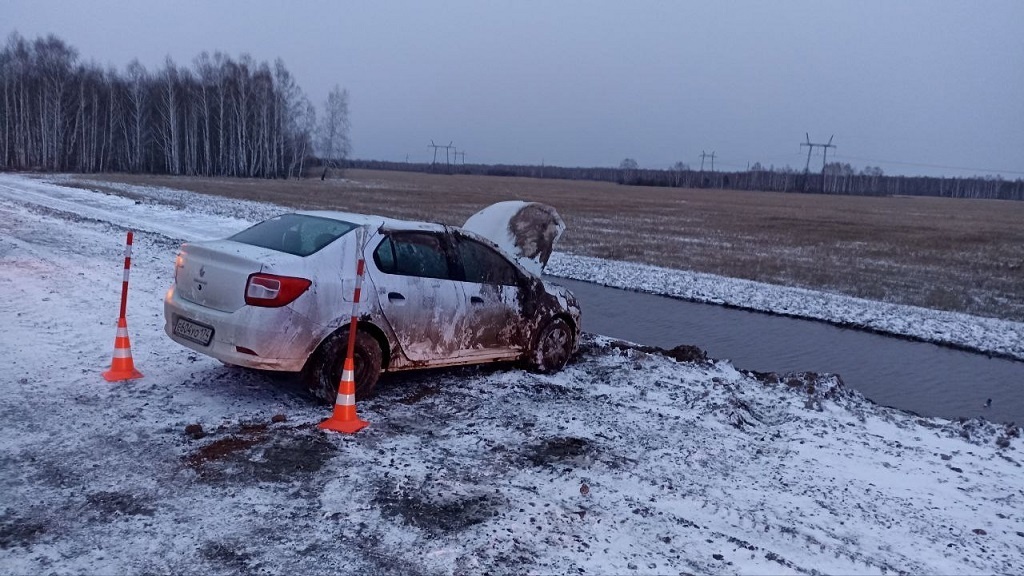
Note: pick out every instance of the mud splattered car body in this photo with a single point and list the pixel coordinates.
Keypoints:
(278, 296)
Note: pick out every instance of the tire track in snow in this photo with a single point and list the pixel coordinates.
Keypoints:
(167, 221)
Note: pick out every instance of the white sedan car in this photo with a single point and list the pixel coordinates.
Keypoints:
(278, 295)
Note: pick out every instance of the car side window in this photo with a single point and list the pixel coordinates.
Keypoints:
(384, 256)
(483, 265)
(412, 254)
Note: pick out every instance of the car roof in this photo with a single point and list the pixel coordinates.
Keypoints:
(395, 224)
(375, 221)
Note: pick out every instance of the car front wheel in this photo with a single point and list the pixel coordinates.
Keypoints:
(551, 348)
(323, 372)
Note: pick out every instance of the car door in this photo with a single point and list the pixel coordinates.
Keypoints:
(490, 284)
(418, 297)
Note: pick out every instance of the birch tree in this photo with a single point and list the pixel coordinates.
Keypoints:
(334, 128)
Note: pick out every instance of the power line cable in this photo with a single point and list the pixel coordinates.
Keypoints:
(964, 168)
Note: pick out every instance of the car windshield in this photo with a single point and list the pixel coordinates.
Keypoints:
(296, 234)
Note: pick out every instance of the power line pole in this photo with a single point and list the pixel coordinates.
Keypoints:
(824, 155)
(703, 155)
(435, 147)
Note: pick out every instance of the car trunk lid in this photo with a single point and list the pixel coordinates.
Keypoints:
(214, 274)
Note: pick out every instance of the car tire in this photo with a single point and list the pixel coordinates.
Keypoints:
(551, 348)
(323, 371)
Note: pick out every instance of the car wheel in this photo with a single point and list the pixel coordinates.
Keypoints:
(551, 348)
(323, 371)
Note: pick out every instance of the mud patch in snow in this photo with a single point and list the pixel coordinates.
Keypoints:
(567, 450)
(257, 452)
(107, 506)
(228, 555)
(17, 530)
(436, 508)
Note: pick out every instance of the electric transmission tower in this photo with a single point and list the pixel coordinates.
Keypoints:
(449, 151)
(824, 157)
(703, 155)
(435, 147)
(704, 181)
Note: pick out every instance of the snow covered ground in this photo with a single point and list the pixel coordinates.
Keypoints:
(628, 461)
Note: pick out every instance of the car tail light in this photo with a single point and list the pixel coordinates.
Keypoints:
(270, 291)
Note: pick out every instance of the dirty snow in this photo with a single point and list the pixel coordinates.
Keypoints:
(627, 462)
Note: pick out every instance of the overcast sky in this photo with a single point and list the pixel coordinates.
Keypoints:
(917, 87)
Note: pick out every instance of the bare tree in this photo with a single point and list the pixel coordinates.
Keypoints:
(333, 130)
(629, 168)
(223, 117)
(137, 128)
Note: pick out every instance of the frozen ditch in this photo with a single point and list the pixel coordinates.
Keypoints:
(924, 378)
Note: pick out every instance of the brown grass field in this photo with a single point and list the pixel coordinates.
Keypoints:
(949, 254)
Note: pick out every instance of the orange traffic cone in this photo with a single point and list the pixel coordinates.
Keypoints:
(344, 418)
(122, 367)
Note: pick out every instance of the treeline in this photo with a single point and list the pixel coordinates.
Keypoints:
(219, 117)
(837, 179)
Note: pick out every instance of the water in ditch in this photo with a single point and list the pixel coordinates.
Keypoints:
(924, 378)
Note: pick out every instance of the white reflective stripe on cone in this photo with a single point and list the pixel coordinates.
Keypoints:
(122, 332)
(122, 352)
(125, 274)
(346, 376)
(346, 400)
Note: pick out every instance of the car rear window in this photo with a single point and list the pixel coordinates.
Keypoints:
(296, 234)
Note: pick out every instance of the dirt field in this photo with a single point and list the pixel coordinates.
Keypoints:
(959, 255)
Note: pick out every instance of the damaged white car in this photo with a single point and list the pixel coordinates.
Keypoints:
(278, 295)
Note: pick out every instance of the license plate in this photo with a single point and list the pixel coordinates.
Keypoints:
(192, 331)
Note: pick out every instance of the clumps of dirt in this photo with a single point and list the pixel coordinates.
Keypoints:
(227, 555)
(420, 394)
(437, 513)
(108, 505)
(682, 353)
(739, 414)
(560, 450)
(195, 431)
(549, 390)
(18, 531)
(814, 386)
(541, 389)
(689, 354)
(1011, 431)
(979, 431)
(256, 452)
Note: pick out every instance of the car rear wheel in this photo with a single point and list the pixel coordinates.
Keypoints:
(323, 371)
(551, 348)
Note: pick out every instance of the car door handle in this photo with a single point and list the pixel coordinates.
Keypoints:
(395, 297)
(476, 300)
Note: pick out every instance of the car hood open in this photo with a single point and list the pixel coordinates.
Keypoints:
(526, 231)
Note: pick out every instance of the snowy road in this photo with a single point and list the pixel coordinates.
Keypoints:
(688, 467)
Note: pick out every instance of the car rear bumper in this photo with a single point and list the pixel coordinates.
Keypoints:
(263, 338)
